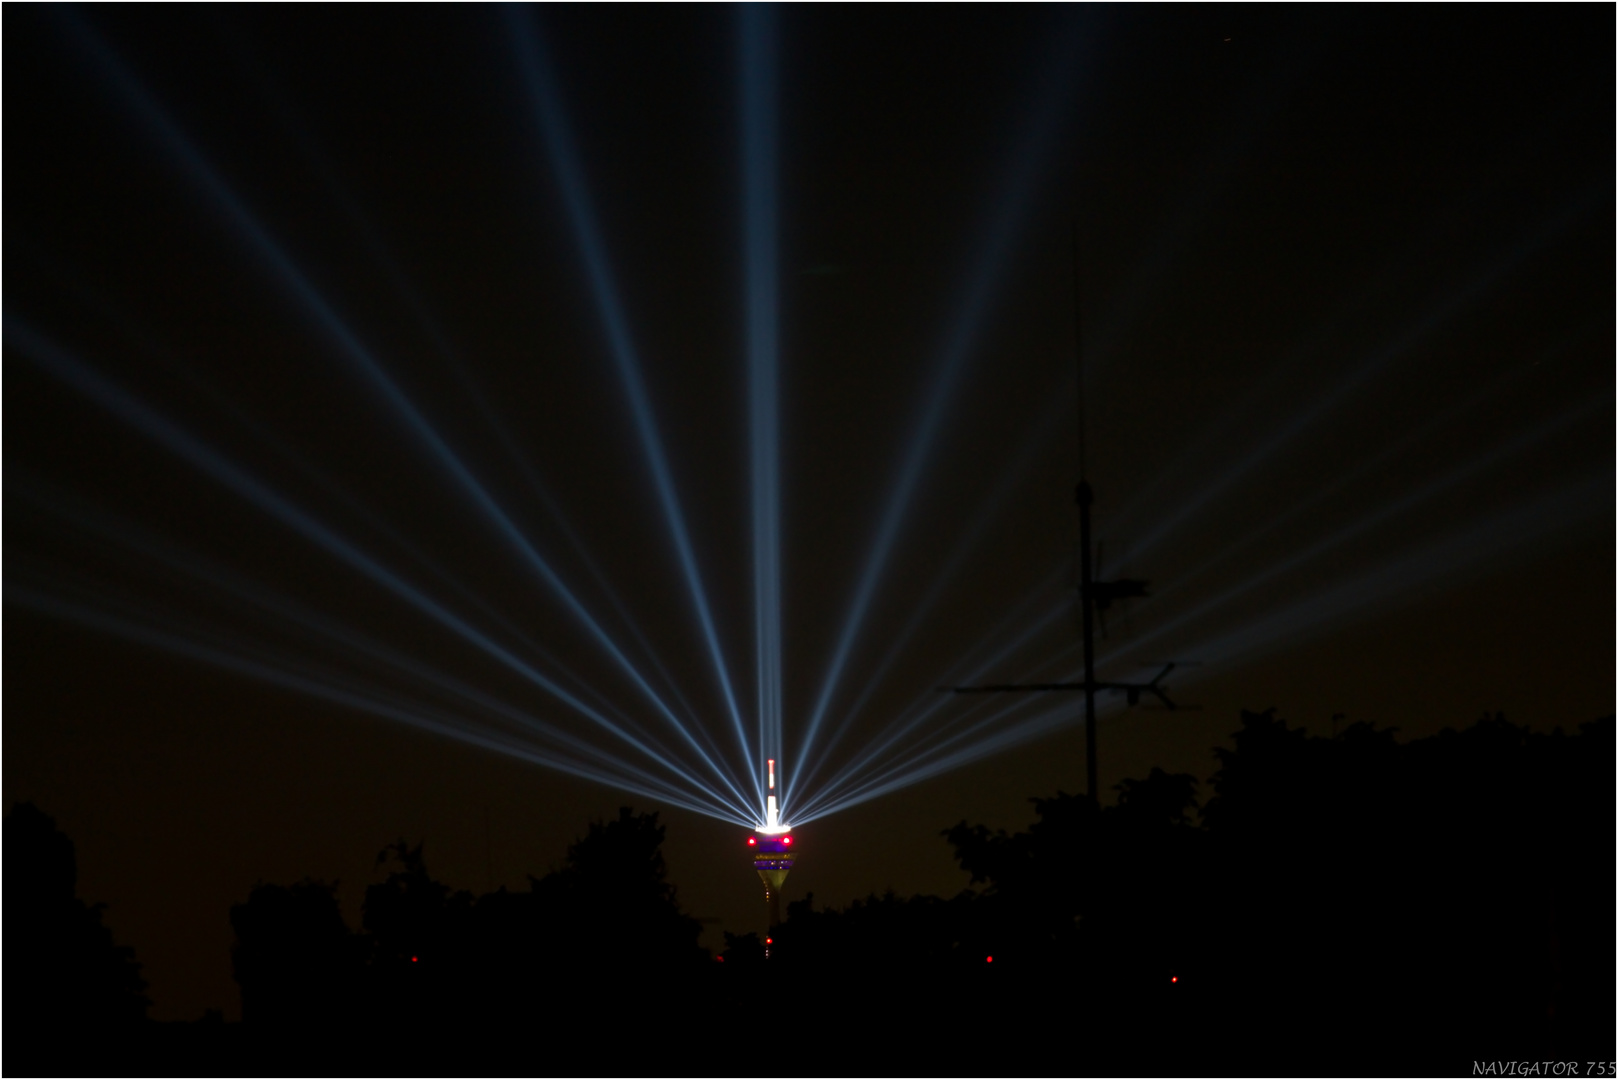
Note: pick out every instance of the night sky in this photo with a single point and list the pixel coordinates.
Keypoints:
(307, 338)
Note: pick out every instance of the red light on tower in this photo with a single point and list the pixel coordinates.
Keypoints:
(751, 841)
(786, 839)
(988, 959)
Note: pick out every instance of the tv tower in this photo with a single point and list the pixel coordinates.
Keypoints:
(771, 850)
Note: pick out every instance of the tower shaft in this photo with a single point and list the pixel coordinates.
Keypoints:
(773, 880)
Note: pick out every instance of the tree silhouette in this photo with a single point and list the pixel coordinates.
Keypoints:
(1344, 892)
(411, 919)
(1364, 884)
(436, 970)
(614, 890)
(1102, 887)
(70, 990)
(1355, 888)
(296, 961)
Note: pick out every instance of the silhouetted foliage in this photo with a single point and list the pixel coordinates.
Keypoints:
(1448, 897)
(297, 963)
(552, 962)
(615, 896)
(1100, 888)
(1441, 880)
(1354, 893)
(743, 950)
(70, 990)
(913, 934)
(410, 918)
(1353, 888)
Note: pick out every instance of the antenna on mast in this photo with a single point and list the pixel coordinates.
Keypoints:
(1078, 348)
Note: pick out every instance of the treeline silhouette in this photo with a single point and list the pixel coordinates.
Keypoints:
(595, 947)
(1341, 905)
(1349, 904)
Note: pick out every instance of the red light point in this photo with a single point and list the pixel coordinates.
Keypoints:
(1174, 978)
(751, 841)
(769, 941)
(786, 840)
(988, 959)
(412, 959)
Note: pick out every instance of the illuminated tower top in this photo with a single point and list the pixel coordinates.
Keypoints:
(772, 812)
(770, 850)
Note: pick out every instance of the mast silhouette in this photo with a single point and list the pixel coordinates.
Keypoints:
(1093, 595)
(1084, 497)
